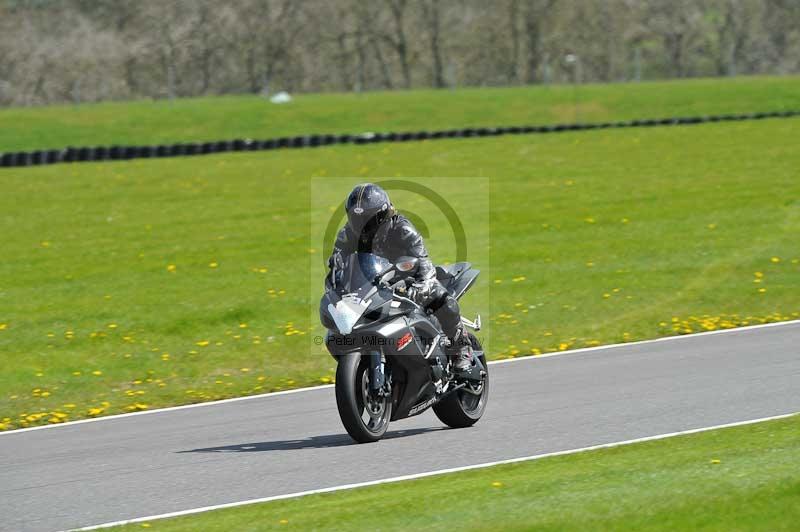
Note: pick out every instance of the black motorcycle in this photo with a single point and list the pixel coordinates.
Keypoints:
(390, 351)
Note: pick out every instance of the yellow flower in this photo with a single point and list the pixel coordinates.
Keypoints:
(3, 326)
(212, 264)
(97, 372)
(171, 268)
(497, 484)
(243, 326)
(715, 461)
(758, 275)
(203, 343)
(112, 325)
(775, 259)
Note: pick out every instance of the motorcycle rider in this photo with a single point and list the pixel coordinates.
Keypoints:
(374, 226)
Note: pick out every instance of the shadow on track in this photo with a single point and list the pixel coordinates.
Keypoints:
(313, 442)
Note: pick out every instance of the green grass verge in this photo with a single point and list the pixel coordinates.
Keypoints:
(595, 237)
(127, 286)
(742, 478)
(146, 122)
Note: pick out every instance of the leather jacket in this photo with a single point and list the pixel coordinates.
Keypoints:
(396, 237)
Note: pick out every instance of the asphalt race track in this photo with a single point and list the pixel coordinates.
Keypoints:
(85, 474)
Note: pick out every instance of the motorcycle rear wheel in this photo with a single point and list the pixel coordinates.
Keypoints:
(353, 401)
(462, 408)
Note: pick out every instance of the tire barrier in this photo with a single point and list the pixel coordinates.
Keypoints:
(72, 154)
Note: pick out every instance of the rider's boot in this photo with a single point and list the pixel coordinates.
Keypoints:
(461, 351)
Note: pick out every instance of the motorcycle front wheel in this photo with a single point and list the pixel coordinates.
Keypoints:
(365, 417)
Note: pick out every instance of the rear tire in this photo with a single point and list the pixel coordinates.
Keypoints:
(351, 384)
(464, 409)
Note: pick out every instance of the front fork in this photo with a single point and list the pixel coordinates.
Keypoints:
(377, 372)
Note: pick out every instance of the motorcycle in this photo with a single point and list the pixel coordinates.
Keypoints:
(390, 351)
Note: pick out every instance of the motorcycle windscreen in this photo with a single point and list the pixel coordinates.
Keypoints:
(360, 270)
(358, 275)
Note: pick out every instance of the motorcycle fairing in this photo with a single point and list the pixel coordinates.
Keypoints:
(457, 278)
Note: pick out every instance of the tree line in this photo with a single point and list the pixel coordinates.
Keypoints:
(56, 51)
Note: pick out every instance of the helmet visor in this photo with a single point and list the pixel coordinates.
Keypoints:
(365, 222)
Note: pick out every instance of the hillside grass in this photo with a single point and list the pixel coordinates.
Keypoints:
(128, 286)
(152, 122)
(742, 478)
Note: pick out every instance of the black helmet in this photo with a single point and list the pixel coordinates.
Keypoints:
(367, 207)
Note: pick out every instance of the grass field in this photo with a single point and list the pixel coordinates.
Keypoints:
(149, 122)
(742, 478)
(128, 286)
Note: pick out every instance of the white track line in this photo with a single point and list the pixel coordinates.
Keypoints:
(325, 386)
(431, 473)
(651, 341)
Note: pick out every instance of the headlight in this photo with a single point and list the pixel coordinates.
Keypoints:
(346, 313)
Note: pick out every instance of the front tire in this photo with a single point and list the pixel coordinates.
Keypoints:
(365, 419)
(463, 409)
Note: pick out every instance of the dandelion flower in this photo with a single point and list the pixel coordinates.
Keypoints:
(203, 343)
(212, 264)
(775, 259)
(497, 484)
(97, 373)
(171, 268)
